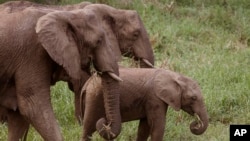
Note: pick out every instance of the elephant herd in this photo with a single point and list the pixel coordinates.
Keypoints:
(43, 44)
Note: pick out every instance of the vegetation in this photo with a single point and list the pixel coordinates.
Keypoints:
(206, 40)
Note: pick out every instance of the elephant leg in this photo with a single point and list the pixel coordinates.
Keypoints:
(143, 130)
(89, 126)
(33, 95)
(87, 132)
(77, 108)
(157, 120)
(77, 87)
(17, 126)
(3, 114)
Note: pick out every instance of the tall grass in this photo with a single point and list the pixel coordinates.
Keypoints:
(206, 40)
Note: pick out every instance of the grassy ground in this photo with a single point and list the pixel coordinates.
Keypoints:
(206, 40)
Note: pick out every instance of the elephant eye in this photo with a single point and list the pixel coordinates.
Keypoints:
(194, 97)
(99, 41)
(136, 34)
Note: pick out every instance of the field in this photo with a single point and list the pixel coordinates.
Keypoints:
(206, 40)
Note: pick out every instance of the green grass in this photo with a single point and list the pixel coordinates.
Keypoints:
(206, 40)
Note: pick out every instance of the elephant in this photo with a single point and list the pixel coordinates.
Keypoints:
(135, 34)
(126, 30)
(34, 43)
(145, 95)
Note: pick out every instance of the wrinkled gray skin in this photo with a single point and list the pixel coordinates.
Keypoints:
(145, 95)
(133, 43)
(34, 44)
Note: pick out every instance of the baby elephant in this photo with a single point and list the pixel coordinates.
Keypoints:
(145, 95)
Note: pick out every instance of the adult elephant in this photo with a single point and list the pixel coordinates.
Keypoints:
(145, 95)
(33, 44)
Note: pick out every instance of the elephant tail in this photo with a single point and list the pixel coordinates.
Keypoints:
(24, 138)
(91, 80)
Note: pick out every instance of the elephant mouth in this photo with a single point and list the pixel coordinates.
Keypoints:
(198, 123)
(111, 74)
(189, 110)
(198, 126)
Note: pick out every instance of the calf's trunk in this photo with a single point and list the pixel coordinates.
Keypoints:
(199, 126)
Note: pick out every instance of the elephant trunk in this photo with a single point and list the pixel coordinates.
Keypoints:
(110, 127)
(199, 126)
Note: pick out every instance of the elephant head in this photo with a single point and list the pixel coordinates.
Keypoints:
(73, 39)
(181, 92)
(126, 30)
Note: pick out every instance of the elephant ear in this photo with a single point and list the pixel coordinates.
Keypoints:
(55, 34)
(108, 24)
(168, 88)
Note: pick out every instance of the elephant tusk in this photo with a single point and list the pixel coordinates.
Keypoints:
(147, 62)
(199, 121)
(114, 76)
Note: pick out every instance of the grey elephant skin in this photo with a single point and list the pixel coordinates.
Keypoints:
(33, 43)
(132, 42)
(145, 95)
